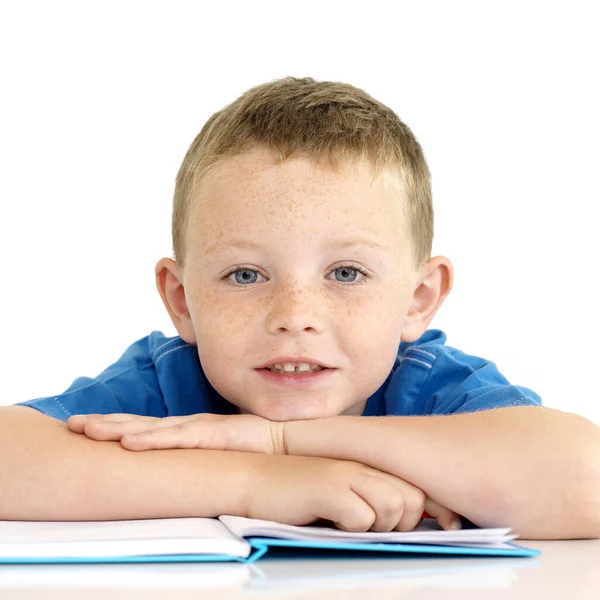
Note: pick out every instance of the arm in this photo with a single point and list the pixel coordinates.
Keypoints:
(534, 469)
(50, 473)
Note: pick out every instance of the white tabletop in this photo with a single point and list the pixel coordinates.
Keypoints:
(565, 569)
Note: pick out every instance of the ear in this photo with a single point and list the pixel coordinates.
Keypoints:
(170, 287)
(432, 288)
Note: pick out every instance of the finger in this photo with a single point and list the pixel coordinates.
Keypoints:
(413, 501)
(144, 423)
(98, 429)
(113, 417)
(446, 518)
(163, 438)
(138, 442)
(416, 502)
(349, 512)
(386, 500)
(77, 423)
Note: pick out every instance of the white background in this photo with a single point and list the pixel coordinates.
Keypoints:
(99, 102)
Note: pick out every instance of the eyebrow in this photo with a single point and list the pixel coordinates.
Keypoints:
(336, 244)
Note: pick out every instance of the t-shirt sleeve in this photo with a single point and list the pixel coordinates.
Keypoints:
(460, 383)
(130, 385)
(85, 395)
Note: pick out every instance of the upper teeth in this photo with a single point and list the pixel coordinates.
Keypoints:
(291, 367)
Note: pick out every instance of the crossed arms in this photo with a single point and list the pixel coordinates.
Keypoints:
(534, 469)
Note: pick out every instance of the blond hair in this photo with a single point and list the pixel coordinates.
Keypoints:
(325, 121)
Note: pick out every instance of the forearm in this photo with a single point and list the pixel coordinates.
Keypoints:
(50, 473)
(530, 468)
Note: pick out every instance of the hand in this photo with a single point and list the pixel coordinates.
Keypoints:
(351, 495)
(299, 490)
(244, 433)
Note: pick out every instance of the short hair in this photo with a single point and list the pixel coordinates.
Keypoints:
(328, 122)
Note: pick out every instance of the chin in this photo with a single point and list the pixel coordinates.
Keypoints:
(293, 413)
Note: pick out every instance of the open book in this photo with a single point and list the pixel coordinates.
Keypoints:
(227, 538)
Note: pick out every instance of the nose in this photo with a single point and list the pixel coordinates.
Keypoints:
(296, 308)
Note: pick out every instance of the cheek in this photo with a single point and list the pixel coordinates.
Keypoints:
(217, 322)
(378, 314)
(222, 336)
(372, 329)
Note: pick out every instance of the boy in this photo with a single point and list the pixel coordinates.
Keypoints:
(302, 289)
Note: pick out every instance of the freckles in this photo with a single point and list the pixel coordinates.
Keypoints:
(245, 312)
(197, 302)
(235, 312)
(354, 308)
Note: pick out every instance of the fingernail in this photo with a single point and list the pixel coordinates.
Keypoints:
(456, 524)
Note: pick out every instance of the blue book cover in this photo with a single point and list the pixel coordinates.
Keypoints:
(231, 538)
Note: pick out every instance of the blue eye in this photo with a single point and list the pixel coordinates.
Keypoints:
(244, 276)
(346, 274)
(350, 274)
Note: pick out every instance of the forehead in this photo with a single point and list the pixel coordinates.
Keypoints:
(252, 193)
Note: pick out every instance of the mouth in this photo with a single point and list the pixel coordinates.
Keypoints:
(294, 368)
(295, 374)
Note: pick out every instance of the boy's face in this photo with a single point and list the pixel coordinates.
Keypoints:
(299, 236)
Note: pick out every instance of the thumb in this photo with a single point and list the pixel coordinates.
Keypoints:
(446, 518)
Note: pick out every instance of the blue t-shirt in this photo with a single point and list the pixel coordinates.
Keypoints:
(159, 376)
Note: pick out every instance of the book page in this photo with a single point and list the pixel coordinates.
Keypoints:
(427, 532)
(142, 537)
